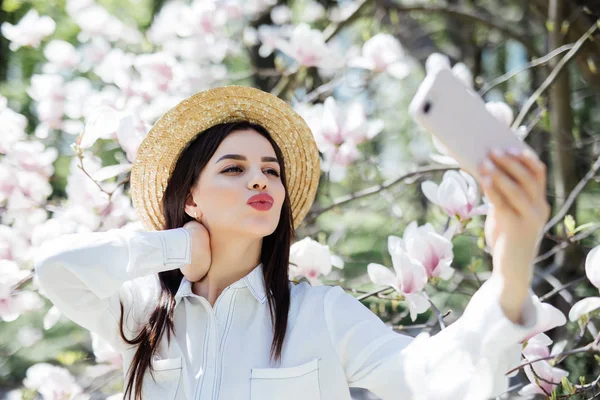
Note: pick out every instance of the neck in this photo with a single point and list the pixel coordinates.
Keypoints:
(231, 259)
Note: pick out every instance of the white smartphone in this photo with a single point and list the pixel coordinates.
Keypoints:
(457, 116)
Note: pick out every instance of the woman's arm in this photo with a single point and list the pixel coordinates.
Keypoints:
(467, 360)
(86, 275)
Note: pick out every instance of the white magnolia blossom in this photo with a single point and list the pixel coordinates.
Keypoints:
(383, 53)
(409, 277)
(53, 382)
(29, 31)
(13, 304)
(61, 56)
(311, 260)
(548, 317)
(592, 270)
(105, 353)
(458, 195)
(437, 61)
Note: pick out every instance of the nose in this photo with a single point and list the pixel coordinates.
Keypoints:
(258, 181)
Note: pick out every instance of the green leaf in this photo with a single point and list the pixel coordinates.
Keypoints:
(564, 27)
(566, 384)
(550, 26)
(11, 5)
(592, 65)
(570, 225)
(70, 357)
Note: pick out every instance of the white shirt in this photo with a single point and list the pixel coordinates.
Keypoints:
(333, 342)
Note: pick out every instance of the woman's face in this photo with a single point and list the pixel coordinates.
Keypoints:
(243, 166)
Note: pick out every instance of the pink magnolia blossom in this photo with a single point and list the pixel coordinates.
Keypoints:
(309, 49)
(537, 347)
(409, 277)
(311, 260)
(350, 122)
(432, 250)
(33, 156)
(458, 195)
(29, 31)
(383, 53)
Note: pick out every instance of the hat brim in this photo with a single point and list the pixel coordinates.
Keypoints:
(159, 151)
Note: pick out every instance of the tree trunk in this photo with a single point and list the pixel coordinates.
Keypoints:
(561, 119)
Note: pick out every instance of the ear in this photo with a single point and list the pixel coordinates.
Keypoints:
(190, 206)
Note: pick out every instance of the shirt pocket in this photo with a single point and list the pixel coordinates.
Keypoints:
(290, 383)
(164, 381)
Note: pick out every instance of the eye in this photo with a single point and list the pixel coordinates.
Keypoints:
(272, 171)
(233, 168)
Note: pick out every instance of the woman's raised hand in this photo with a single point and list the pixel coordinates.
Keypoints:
(201, 253)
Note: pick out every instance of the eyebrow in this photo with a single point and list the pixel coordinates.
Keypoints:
(243, 158)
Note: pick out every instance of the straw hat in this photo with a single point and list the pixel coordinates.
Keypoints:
(160, 149)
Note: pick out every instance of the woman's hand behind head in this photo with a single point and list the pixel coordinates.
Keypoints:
(201, 253)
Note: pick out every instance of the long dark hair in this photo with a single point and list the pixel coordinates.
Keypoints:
(275, 253)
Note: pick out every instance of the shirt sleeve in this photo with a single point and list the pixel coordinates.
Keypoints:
(87, 275)
(467, 360)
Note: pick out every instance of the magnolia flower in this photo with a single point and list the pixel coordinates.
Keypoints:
(52, 317)
(437, 61)
(14, 304)
(104, 352)
(537, 347)
(308, 48)
(27, 336)
(458, 195)
(311, 259)
(549, 317)
(341, 124)
(29, 31)
(12, 127)
(432, 250)
(61, 55)
(592, 266)
(383, 53)
(281, 14)
(52, 382)
(409, 278)
(592, 270)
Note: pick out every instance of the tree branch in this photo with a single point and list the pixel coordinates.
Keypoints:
(375, 189)
(467, 16)
(555, 72)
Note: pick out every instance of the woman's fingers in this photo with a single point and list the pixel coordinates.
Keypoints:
(508, 191)
(495, 194)
(519, 172)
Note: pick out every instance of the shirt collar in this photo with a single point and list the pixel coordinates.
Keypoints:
(254, 281)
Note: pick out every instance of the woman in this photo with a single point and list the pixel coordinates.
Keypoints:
(202, 308)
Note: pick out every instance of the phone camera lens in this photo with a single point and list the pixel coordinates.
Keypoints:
(427, 107)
